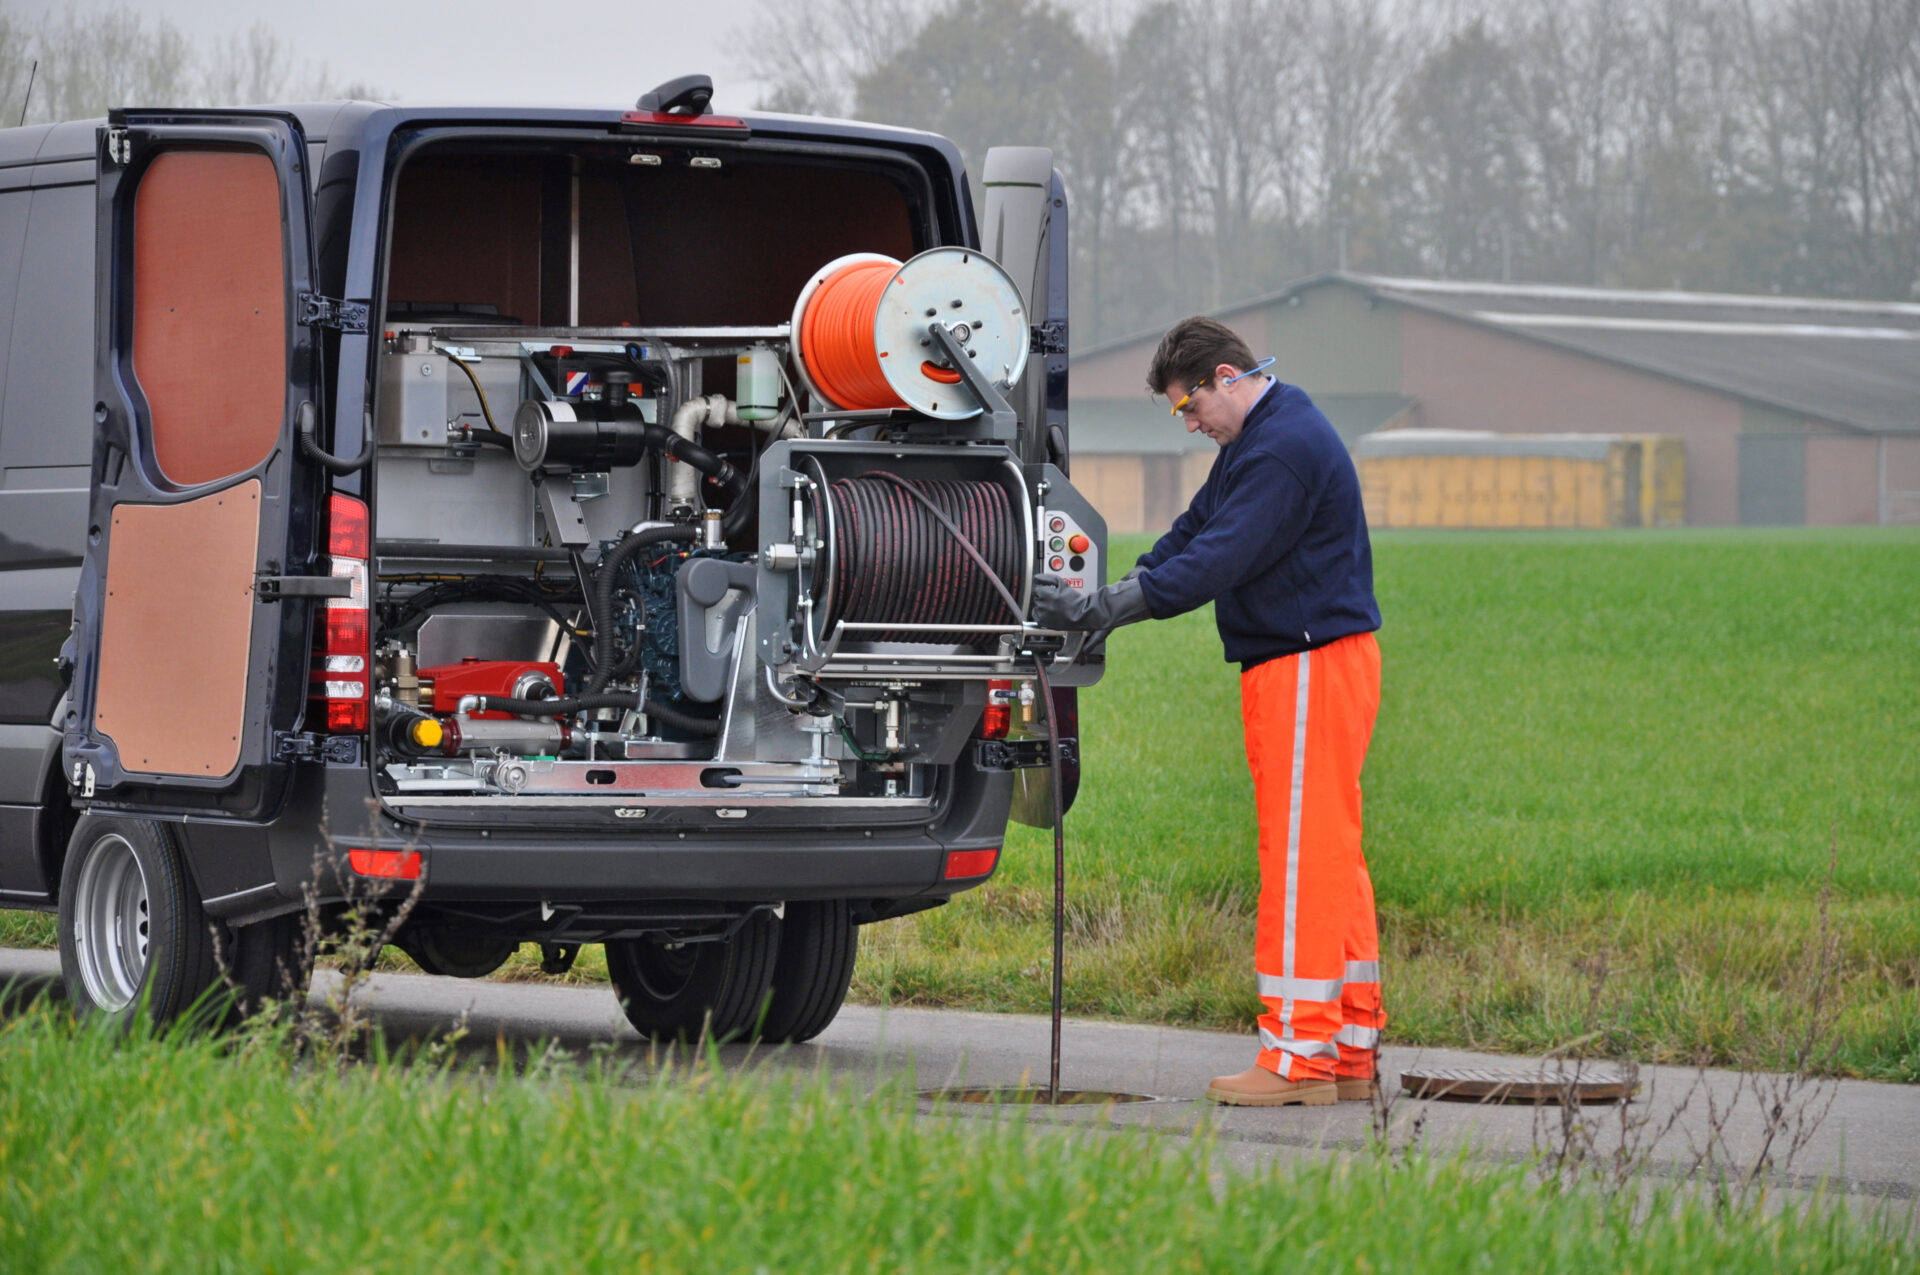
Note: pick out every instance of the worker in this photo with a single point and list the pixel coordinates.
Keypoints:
(1276, 539)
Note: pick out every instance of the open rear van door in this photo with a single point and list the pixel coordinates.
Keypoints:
(1024, 228)
(190, 638)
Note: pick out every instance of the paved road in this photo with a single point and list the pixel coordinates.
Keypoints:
(1867, 1145)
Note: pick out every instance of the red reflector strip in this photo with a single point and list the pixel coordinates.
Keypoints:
(971, 863)
(396, 865)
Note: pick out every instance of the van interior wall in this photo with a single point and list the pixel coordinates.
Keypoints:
(660, 246)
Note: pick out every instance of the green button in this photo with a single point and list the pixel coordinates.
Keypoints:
(1056, 544)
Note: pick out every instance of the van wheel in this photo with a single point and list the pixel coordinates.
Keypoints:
(678, 991)
(131, 926)
(818, 942)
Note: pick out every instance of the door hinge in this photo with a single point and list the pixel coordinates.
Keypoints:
(119, 145)
(274, 588)
(1049, 337)
(335, 750)
(1022, 754)
(317, 311)
(300, 746)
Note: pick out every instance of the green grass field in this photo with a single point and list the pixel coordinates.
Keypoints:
(1606, 776)
(136, 1155)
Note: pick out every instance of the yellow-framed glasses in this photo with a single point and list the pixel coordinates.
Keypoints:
(1187, 398)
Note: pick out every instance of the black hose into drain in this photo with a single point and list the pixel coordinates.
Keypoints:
(1053, 776)
(893, 562)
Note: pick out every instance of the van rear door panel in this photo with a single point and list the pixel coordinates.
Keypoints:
(180, 669)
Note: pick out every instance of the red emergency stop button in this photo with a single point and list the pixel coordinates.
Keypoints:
(1079, 544)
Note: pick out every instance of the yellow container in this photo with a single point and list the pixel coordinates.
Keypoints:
(1458, 478)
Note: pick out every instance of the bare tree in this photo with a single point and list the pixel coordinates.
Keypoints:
(93, 62)
(812, 53)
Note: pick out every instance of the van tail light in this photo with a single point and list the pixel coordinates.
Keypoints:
(341, 675)
(999, 715)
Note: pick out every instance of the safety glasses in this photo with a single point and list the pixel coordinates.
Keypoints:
(1187, 398)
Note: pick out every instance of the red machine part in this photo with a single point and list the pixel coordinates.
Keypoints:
(443, 685)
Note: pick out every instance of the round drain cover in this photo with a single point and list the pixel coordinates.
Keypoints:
(1529, 1085)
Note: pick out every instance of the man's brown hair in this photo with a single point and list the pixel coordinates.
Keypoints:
(1190, 351)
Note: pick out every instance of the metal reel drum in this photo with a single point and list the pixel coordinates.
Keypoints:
(951, 286)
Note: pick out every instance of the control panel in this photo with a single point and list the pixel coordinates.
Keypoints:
(1067, 551)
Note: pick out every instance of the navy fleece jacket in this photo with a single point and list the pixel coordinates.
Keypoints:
(1276, 538)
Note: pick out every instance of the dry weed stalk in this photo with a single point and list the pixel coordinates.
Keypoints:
(1569, 1145)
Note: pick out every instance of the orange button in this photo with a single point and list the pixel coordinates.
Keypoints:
(1079, 544)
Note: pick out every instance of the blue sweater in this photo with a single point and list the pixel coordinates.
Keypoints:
(1276, 538)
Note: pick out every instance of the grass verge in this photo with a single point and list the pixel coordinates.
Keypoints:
(181, 1155)
(1603, 761)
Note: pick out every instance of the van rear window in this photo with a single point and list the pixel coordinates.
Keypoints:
(483, 238)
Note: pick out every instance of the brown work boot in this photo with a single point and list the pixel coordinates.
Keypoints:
(1258, 1087)
(1357, 1088)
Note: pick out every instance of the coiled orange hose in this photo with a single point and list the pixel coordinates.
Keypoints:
(836, 337)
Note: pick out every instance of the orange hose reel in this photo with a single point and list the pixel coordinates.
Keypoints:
(836, 337)
(862, 312)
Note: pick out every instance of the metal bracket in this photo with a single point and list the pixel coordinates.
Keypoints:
(1022, 754)
(326, 312)
(1049, 337)
(301, 746)
(564, 519)
(119, 145)
(274, 588)
(1004, 425)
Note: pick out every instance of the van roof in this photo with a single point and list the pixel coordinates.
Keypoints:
(74, 139)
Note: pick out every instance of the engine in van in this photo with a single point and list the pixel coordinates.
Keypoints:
(726, 566)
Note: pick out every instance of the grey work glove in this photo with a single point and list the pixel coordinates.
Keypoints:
(1055, 606)
(1094, 649)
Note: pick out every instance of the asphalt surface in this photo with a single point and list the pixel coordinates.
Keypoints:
(1866, 1144)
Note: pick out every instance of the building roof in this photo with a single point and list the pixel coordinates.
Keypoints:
(1475, 442)
(1140, 425)
(1854, 363)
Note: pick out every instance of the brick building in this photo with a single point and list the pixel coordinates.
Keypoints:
(1792, 409)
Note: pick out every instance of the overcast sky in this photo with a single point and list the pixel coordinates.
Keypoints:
(580, 52)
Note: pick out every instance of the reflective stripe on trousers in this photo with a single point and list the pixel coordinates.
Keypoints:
(1308, 720)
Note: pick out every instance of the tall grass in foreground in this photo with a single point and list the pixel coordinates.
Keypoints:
(181, 1155)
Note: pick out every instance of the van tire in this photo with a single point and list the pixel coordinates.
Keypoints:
(132, 930)
(697, 990)
(818, 942)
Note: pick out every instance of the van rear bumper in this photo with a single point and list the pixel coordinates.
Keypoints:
(807, 854)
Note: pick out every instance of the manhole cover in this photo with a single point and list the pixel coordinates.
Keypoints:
(1026, 1095)
(1483, 1084)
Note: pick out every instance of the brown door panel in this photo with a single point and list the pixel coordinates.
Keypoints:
(175, 633)
(210, 311)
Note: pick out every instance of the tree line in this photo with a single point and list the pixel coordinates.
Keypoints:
(1214, 149)
(82, 63)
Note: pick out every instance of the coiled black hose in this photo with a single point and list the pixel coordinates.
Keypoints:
(894, 561)
(589, 702)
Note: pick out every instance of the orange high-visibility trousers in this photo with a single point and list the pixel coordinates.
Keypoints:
(1316, 951)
